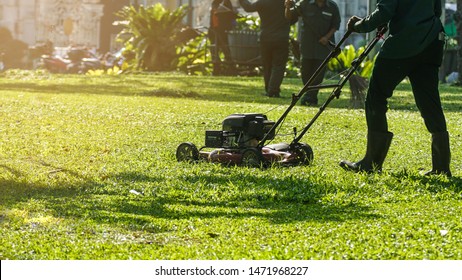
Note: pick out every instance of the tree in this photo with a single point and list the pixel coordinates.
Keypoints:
(154, 34)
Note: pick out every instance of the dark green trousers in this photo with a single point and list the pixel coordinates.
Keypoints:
(308, 68)
(422, 71)
(274, 56)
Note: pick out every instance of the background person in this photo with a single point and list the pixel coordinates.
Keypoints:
(222, 19)
(320, 20)
(413, 49)
(274, 41)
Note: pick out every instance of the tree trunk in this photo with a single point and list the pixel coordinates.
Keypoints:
(459, 38)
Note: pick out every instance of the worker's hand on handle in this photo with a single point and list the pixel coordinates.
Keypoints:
(324, 41)
(351, 23)
(289, 4)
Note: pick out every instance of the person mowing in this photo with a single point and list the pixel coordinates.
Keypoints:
(413, 49)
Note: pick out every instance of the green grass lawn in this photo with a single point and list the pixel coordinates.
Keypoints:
(88, 171)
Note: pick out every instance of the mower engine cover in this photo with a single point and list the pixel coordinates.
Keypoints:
(253, 126)
(239, 130)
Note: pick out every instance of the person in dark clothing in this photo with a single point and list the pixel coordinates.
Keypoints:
(274, 41)
(413, 49)
(222, 19)
(320, 21)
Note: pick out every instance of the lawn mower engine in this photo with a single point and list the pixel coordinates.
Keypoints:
(238, 143)
(239, 131)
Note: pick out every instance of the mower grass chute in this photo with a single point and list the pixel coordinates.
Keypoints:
(243, 138)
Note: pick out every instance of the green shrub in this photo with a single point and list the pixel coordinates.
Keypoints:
(154, 34)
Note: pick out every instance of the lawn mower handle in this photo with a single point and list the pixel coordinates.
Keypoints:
(295, 97)
(337, 87)
(334, 53)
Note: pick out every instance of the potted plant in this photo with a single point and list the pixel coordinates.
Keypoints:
(358, 81)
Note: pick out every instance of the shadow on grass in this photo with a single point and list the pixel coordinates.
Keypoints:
(215, 92)
(276, 200)
(13, 171)
(433, 184)
(279, 201)
(109, 201)
(213, 89)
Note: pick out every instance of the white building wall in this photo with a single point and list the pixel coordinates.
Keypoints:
(347, 9)
(32, 21)
(18, 21)
(40, 20)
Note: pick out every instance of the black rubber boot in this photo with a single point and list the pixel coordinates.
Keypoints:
(441, 155)
(377, 149)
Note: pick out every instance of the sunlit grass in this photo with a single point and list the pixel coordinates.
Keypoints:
(88, 171)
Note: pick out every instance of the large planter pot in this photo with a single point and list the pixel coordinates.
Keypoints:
(244, 47)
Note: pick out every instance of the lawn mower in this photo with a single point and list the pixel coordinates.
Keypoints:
(243, 138)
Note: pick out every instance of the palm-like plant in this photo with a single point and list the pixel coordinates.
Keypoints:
(154, 33)
(358, 82)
